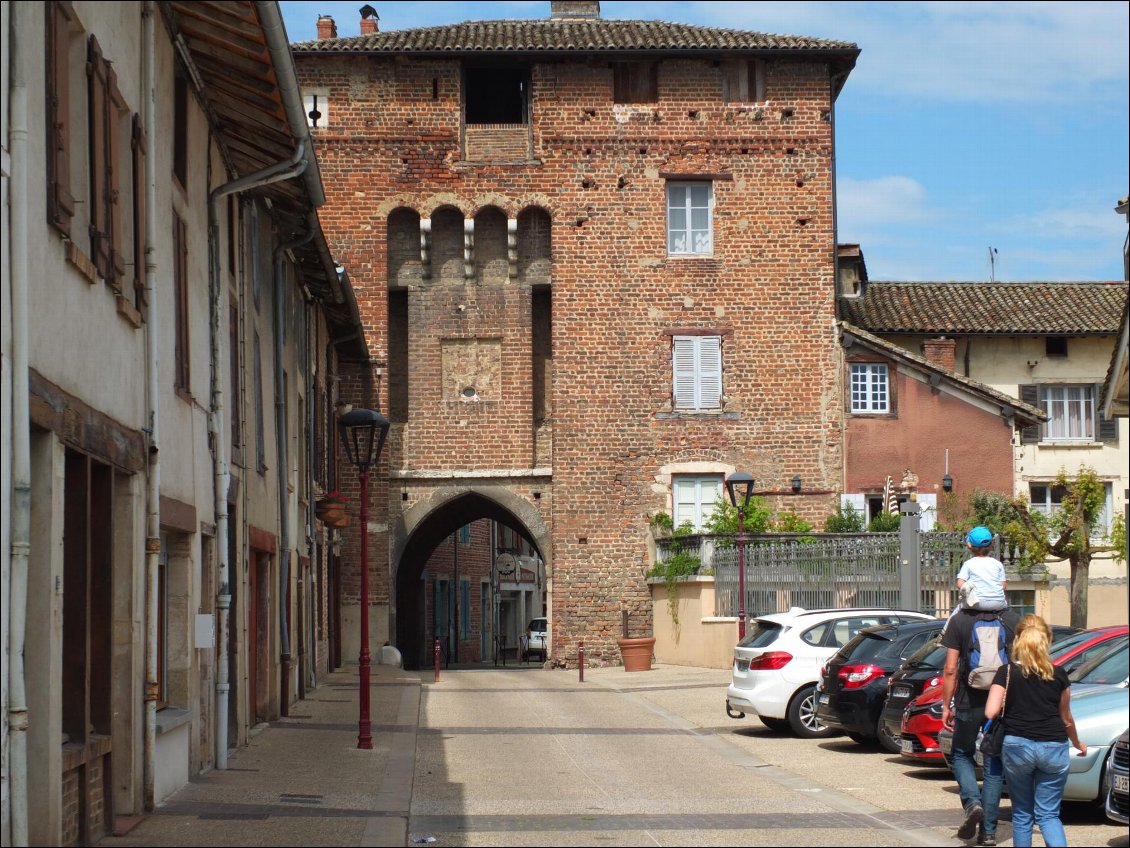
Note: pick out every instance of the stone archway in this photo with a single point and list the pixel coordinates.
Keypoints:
(426, 525)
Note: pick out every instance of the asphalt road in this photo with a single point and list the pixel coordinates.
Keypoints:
(534, 757)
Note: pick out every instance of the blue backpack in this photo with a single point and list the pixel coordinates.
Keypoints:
(988, 653)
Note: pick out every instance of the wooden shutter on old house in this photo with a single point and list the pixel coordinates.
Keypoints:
(141, 300)
(1030, 394)
(60, 201)
(1106, 430)
(96, 98)
(105, 173)
(683, 368)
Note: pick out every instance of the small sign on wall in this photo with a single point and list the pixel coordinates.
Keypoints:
(205, 630)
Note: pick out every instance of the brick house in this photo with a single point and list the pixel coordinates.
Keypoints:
(596, 261)
(1047, 344)
(171, 328)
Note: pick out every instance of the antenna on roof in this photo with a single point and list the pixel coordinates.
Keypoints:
(992, 264)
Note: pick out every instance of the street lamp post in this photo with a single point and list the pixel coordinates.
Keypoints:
(363, 433)
(740, 485)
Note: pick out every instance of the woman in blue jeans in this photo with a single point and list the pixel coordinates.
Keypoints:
(1037, 727)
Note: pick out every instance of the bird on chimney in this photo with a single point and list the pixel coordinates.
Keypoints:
(368, 11)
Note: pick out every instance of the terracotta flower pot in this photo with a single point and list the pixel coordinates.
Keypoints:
(637, 653)
(331, 513)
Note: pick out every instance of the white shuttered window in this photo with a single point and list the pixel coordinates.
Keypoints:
(694, 499)
(697, 371)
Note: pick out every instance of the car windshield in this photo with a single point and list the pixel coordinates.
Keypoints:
(1111, 668)
(538, 625)
(868, 647)
(1061, 647)
(761, 634)
(931, 655)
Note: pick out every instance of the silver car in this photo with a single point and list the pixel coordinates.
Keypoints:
(1118, 798)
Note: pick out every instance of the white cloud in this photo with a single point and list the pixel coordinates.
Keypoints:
(1020, 52)
(881, 202)
(1067, 223)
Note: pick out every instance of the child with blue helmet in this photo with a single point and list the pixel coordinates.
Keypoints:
(981, 581)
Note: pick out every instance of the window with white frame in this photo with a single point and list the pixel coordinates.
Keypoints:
(869, 390)
(690, 213)
(1046, 498)
(1071, 412)
(697, 372)
(693, 499)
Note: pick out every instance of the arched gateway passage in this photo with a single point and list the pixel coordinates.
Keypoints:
(428, 543)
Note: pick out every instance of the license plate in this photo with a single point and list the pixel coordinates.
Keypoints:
(945, 743)
(823, 699)
(908, 746)
(900, 692)
(1121, 782)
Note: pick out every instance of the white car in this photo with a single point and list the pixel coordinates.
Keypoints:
(777, 664)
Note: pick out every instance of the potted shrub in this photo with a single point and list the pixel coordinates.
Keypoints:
(330, 509)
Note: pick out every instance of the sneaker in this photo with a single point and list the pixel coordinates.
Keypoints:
(973, 817)
(988, 839)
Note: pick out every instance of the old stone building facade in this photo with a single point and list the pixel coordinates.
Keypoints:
(595, 262)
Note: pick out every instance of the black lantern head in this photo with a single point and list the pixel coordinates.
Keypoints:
(363, 434)
(947, 483)
(796, 483)
(740, 485)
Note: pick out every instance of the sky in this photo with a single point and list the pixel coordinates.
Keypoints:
(965, 128)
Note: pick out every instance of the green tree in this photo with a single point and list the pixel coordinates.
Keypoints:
(884, 522)
(724, 519)
(846, 519)
(1071, 526)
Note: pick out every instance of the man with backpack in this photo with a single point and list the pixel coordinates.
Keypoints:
(977, 644)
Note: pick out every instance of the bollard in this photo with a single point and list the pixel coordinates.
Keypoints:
(437, 660)
(581, 660)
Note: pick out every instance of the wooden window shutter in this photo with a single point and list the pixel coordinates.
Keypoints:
(1107, 430)
(60, 201)
(115, 107)
(99, 218)
(1030, 395)
(710, 372)
(180, 277)
(683, 370)
(139, 211)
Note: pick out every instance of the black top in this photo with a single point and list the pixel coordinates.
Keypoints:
(1031, 708)
(959, 634)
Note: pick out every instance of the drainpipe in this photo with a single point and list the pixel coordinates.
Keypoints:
(21, 434)
(153, 482)
(285, 170)
(281, 438)
(311, 418)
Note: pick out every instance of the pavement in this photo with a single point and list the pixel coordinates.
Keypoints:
(302, 780)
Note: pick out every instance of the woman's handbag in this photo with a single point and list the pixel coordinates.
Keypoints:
(993, 737)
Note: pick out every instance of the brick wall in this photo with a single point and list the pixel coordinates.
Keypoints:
(395, 144)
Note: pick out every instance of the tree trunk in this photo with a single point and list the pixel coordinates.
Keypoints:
(1080, 578)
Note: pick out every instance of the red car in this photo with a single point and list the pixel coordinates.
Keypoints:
(922, 718)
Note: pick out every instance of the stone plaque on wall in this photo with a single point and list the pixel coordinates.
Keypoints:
(472, 369)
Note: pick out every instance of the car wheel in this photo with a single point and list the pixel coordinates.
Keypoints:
(892, 744)
(780, 725)
(802, 716)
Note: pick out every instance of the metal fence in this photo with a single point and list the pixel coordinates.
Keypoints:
(827, 570)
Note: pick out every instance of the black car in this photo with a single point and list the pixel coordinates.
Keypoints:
(921, 670)
(853, 688)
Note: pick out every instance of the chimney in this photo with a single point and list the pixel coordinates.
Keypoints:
(574, 9)
(326, 27)
(941, 352)
(369, 20)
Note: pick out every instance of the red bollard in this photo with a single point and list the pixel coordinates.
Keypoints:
(581, 660)
(437, 660)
